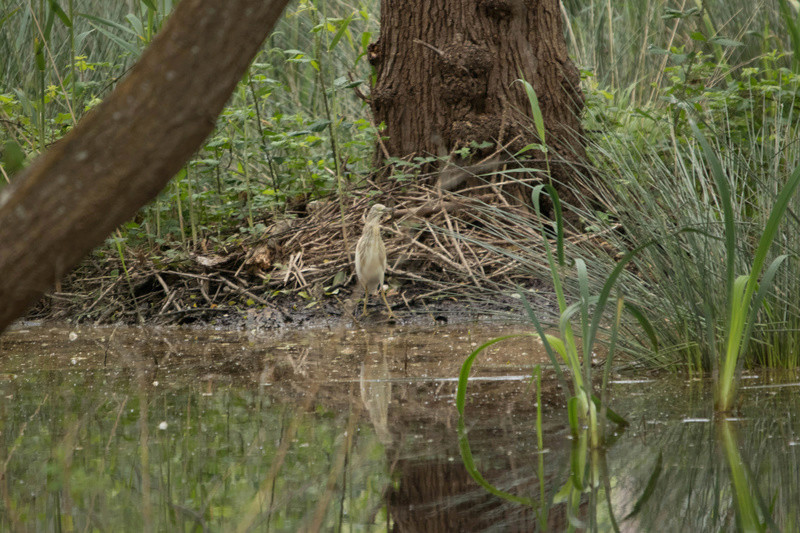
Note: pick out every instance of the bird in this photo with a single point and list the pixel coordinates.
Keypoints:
(371, 255)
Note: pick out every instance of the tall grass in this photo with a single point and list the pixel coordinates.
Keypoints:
(293, 131)
(655, 190)
(709, 180)
(623, 44)
(743, 303)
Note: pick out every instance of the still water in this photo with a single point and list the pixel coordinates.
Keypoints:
(354, 430)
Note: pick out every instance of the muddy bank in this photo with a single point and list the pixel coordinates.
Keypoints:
(410, 308)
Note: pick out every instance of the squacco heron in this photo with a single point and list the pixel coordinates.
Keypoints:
(371, 255)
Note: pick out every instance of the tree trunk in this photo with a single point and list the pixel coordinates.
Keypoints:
(124, 152)
(446, 72)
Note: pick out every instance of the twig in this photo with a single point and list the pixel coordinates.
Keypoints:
(245, 292)
(114, 284)
(170, 295)
(3, 171)
(426, 45)
(458, 250)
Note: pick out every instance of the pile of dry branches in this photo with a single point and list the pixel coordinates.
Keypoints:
(438, 243)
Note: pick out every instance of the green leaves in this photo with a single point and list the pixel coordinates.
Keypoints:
(466, 366)
(13, 157)
(343, 26)
(538, 120)
(60, 13)
(104, 26)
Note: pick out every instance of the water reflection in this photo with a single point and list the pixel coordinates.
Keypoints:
(342, 430)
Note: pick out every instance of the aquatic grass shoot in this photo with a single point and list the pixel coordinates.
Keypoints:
(587, 412)
(743, 300)
(752, 514)
(584, 405)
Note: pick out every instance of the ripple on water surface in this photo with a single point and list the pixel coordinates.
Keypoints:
(178, 429)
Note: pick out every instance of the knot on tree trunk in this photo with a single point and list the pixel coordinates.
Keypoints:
(499, 9)
(475, 127)
(464, 69)
(466, 59)
(374, 53)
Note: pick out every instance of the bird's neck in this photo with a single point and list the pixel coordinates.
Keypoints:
(372, 228)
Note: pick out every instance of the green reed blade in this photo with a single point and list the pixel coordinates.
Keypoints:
(608, 285)
(554, 271)
(763, 288)
(469, 465)
(546, 343)
(644, 323)
(60, 13)
(793, 30)
(538, 119)
(466, 366)
(585, 300)
(724, 194)
(573, 416)
(649, 488)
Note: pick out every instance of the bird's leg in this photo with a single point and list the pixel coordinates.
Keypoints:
(366, 297)
(383, 295)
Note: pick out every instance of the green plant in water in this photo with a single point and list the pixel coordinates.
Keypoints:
(743, 301)
(584, 406)
(653, 180)
(751, 512)
(586, 411)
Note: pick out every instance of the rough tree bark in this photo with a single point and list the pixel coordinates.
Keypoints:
(123, 153)
(446, 72)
